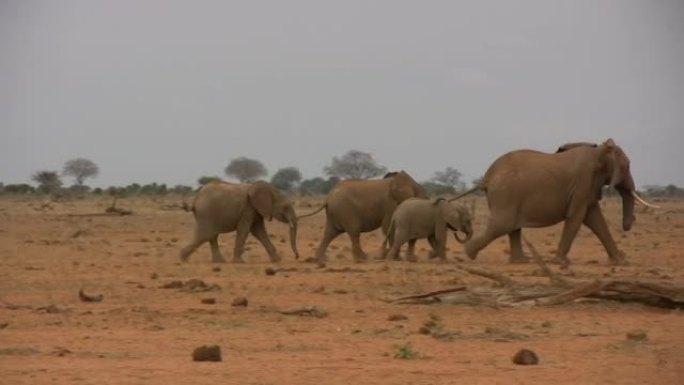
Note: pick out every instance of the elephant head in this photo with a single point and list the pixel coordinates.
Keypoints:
(271, 203)
(402, 187)
(456, 218)
(613, 170)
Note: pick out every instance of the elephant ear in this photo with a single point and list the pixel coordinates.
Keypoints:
(400, 189)
(261, 198)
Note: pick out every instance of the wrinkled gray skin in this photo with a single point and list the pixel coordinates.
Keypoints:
(360, 206)
(528, 188)
(221, 207)
(426, 218)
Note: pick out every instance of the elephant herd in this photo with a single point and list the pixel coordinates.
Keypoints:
(524, 188)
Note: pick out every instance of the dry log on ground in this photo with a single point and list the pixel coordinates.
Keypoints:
(514, 294)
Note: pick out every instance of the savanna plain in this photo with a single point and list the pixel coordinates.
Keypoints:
(146, 326)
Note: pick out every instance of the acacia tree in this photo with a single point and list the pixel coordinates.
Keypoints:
(48, 181)
(286, 178)
(449, 177)
(245, 169)
(354, 164)
(80, 169)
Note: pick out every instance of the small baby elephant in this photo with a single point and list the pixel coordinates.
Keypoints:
(426, 218)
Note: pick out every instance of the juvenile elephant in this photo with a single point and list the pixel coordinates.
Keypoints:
(528, 188)
(426, 218)
(221, 207)
(360, 206)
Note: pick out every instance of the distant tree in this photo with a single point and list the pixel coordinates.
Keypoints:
(434, 189)
(80, 169)
(48, 181)
(132, 189)
(20, 188)
(207, 179)
(245, 170)
(354, 165)
(450, 177)
(476, 181)
(317, 185)
(671, 191)
(181, 189)
(286, 178)
(154, 189)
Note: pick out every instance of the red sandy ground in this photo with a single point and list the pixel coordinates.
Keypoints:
(142, 333)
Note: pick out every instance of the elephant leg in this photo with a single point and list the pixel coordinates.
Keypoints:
(495, 228)
(357, 251)
(517, 255)
(329, 234)
(393, 252)
(411, 251)
(260, 233)
(241, 234)
(570, 229)
(198, 240)
(433, 244)
(215, 252)
(597, 223)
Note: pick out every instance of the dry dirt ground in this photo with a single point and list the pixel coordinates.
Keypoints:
(143, 333)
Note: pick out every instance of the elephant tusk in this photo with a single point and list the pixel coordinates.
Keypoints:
(643, 202)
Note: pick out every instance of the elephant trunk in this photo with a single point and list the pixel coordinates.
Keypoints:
(627, 208)
(468, 233)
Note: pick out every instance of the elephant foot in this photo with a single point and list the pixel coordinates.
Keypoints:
(411, 258)
(470, 252)
(619, 260)
(563, 261)
(359, 258)
(238, 260)
(275, 258)
(519, 260)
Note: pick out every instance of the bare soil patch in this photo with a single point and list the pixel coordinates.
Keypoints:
(306, 325)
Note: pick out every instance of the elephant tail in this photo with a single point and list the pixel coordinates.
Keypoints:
(389, 237)
(468, 192)
(313, 213)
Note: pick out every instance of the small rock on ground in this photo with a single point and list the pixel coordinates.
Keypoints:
(207, 353)
(525, 357)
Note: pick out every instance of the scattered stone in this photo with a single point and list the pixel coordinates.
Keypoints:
(308, 311)
(154, 276)
(397, 317)
(192, 285)
(239, 301)
(637, 336)
(207, 353)
(50, 309)
(525, 357)
(208, 301)
(270, 271)
(4, 325)
(89, 298)
(60, 352)
(216, 269)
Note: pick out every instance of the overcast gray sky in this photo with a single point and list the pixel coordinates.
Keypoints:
(167, 91)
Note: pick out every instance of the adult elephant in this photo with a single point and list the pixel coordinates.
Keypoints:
(528, 188)
(360, 206)
(221, 207)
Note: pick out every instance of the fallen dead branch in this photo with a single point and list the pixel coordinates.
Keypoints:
(515, 294)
